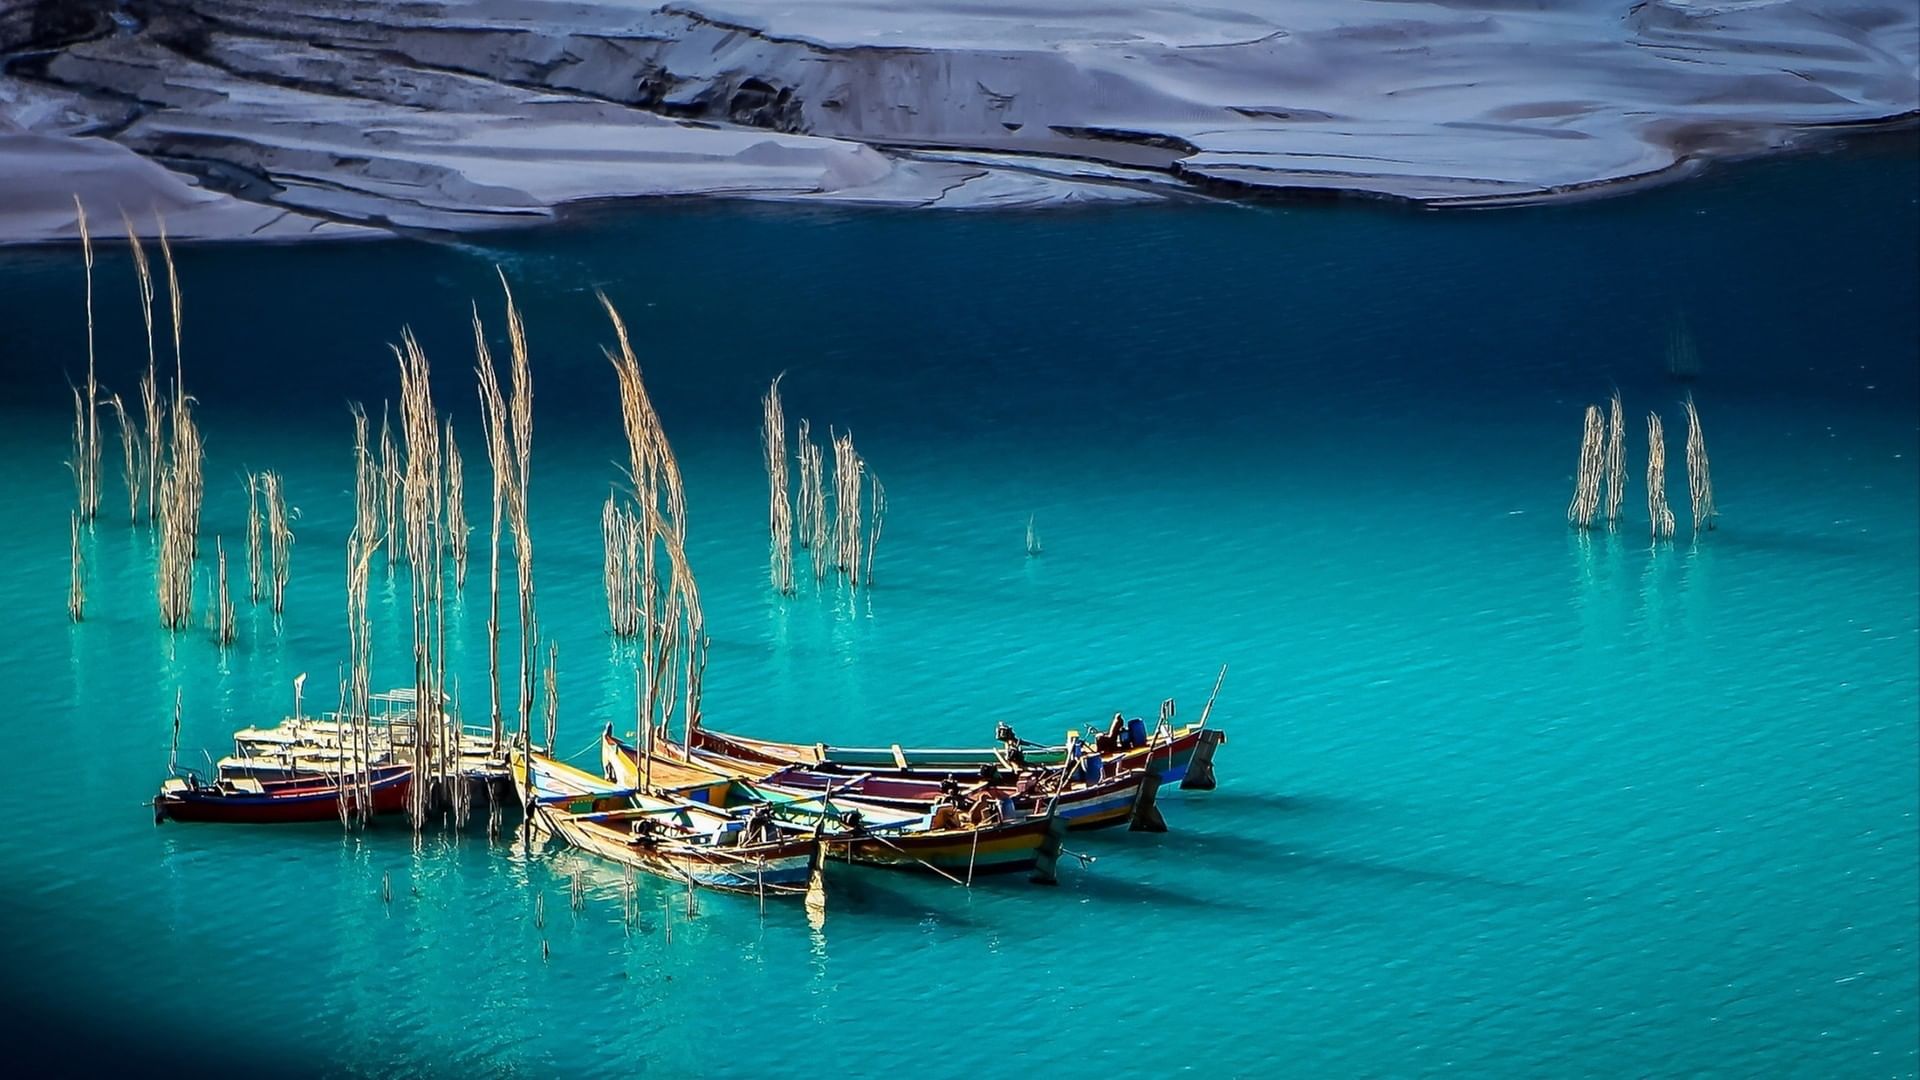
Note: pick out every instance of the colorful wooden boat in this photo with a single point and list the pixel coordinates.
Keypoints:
(300, 799)
(847, 828)
(905, 838)
(299, 744)
(1078, 804)
(1180, 755)
(665, 843)
(680, 841)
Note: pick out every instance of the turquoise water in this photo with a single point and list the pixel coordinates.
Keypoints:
(1498, 800)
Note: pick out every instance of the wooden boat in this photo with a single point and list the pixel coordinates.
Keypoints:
(301, 744)
(665, 843)
(847, 828)
(298, 764)
(1183, 755)
(904, 838)
(248, 801)
(677, 840)
(1078, 804)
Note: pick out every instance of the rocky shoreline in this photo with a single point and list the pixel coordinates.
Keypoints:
(283, 120)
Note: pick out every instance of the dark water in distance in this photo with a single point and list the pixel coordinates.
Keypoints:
(1498, 800)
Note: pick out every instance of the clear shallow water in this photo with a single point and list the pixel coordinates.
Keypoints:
(1497, 800)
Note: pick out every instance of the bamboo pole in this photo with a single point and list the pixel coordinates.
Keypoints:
(1616, 459)
(1699, 478)
(773, 442)
(1658, 512)
(1586, 494)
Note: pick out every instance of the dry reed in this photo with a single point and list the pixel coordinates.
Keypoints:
(423, 496)
(86, 468)
(279, 535)
(1616, 459)
(456, 509)
(848, 472)
(1586, 493)
(389, 491)
(813, 474)
(493, 415)
(672, 625)
(131, 456)
(360, 546)
(187, 454)
(149, 388)
(1699, 479)
(773, 442)
(876, 517)
(553, 693)
(253, 538)
(1658, 512)
(178, 515)
(76, 572)
(520, 427)
(223, 604)
(622, 535)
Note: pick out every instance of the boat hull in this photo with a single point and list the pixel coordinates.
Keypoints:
(777, 869)
(287, 803)
(1171, 757)
(1099, 806)
(962, 853)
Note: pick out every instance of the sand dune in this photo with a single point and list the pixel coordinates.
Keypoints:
(277, 118)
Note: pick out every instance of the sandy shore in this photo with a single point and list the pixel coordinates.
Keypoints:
(277, 119)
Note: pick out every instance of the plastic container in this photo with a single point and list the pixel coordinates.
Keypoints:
(1136, 733)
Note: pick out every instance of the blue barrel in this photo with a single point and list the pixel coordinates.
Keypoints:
(1136, 732)
(1094, 766)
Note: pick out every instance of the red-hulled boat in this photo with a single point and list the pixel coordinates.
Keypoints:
(272, 802)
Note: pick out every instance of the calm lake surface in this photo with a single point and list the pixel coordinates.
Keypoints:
(1499, 799)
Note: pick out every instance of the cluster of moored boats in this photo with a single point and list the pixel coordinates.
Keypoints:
(319, 768)
(741, 814)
